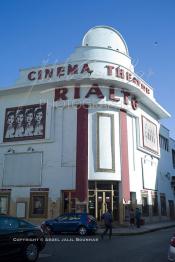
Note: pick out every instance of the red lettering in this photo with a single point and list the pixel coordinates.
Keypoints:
(60, 71)
(48, 73)
(126, 97)
(136, 81)
(72, 69)
(86, 69)
(148, 91)
(60, 93)
(134, 103)
(109, 70)
(112, 95)
(39, 74)
(31, 75)
(128, 76)
(95, 90)
(119, 72)
(77, 92)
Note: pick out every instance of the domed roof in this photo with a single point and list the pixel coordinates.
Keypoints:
(106, 37)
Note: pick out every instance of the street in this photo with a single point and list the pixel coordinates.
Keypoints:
(151, 247)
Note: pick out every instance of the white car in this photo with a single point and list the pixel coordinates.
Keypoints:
(171, 251)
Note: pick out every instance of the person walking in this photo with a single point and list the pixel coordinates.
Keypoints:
(107, 217)
(131, 218)
(138, 217)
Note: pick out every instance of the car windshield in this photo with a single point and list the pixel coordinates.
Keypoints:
(23, 223)
(62, 218)
(8, 223)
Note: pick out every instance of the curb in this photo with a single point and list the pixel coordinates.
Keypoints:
(141, 232)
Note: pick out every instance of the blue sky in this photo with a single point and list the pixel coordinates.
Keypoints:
(38, 31)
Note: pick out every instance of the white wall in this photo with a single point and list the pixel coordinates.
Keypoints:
(58, 170)
(93, 173)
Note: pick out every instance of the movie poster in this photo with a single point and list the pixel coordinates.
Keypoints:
(25, 123)
(150, 139)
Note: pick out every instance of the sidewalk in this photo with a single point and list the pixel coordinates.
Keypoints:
(126, 231)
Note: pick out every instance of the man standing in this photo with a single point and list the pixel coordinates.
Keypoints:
(107, 217)
(138, 217)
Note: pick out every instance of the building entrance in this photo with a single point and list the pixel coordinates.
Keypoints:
(103, 195)
(68, 203)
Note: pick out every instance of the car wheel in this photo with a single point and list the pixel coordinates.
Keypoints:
(31, 252)
(82, 231)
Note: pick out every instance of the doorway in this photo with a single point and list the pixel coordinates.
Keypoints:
(104, 201)
(68, 203)
(103, 195)
(171, 208)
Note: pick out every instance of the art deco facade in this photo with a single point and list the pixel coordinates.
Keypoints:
(84, 135)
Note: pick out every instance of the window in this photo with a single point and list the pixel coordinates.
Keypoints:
(4, 203)
(173, 157)
(133, 197)
(163, 205)
(21, 209)
(8, 223)
(63, 218)
(38, 204)
(105, 144)
(154, 205)
(145, 206)
(74, 217)
(24, 224)
(164, 142)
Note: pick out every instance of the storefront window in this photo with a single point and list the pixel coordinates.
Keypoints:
(38, 204)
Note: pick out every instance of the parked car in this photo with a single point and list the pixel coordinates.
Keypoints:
(81, 223)
(171, 251)
(19, 238)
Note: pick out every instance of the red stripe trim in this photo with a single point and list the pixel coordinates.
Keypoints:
(124, 156)
(82, 153)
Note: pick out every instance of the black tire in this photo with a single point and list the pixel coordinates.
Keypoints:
(82, 231)
(31, 252)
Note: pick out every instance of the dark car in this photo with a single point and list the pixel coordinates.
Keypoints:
(81, 223)
(171, 250)
(19, 238)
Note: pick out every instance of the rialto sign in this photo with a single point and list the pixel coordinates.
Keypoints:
(62, 94)
(72, 70)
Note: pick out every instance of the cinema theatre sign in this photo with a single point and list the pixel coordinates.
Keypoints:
(61, 94)
(59, 72)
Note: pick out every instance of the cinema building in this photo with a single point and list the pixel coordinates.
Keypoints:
(85, 135)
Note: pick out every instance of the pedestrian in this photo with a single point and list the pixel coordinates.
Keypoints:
(107, 217)
(131, 218)
(138, 217)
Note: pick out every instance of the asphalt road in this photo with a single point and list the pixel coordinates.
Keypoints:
(150, 247)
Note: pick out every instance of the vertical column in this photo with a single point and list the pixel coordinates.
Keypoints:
(124, 156)
(82, 153)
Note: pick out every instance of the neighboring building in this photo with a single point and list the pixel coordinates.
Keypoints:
(84, 135)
